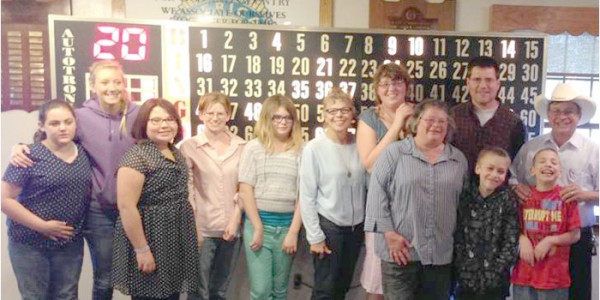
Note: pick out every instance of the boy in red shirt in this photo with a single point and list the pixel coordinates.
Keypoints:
(550, 225)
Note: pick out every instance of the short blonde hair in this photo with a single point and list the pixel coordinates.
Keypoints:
(213, 98)
(493, 150)
(547, 149)
(264, 129)
(338, 94)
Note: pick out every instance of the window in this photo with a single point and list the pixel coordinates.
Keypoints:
(574, 59)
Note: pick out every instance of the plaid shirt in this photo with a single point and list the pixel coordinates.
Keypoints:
(504, 130)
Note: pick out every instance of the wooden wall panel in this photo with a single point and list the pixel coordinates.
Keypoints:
(412, 14)
(548, 19)
(326, 13)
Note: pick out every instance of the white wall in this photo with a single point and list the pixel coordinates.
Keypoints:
(351, 14)
(18, 126)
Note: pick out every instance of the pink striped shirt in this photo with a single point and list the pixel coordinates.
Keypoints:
(213, 182)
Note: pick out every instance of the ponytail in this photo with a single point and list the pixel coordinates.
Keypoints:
(123, 125)
(39, 136)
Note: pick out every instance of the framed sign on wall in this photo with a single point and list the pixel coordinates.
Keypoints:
(183, 60)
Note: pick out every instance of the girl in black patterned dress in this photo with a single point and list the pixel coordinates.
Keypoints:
(155, 254)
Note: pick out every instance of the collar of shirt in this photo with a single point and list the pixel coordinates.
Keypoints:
(201, 141)
(449, 153)
(575, 141)
(471, 107)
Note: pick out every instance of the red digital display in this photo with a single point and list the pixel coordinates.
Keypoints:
(121, 42)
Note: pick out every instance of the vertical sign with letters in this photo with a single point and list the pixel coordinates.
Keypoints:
(76, 44)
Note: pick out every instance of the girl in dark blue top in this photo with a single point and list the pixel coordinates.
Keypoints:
(45, 205)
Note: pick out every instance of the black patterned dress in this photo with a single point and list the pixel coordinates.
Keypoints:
(168, 222)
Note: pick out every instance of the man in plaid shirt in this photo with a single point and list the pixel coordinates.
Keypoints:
(484, 121)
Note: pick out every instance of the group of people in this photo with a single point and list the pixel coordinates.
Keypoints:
(423, 188)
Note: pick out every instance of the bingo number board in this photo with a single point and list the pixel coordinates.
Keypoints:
(250, 63)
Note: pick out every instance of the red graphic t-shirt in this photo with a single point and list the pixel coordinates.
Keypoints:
(546, 214)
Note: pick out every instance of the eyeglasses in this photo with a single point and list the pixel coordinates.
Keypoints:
(159, 121)
(430, 122)
(566, 112)
(219, 115)
(394, 83)
(280, 118)
(335, 111)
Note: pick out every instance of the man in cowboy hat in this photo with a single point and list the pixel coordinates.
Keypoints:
(565, 110)
(484, 121)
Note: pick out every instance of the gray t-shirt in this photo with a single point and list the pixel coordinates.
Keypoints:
(274, 177)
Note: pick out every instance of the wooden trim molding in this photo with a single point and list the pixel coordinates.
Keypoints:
(118, 8)
(326, 13)
(548, 19)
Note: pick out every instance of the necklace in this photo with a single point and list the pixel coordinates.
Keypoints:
(342, 157)
(342, 150)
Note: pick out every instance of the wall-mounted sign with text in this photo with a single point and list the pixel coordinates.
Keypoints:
(265, 12)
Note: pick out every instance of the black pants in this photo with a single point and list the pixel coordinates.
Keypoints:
(415, 281)
(580, 267)
(172, 297)
(490, 295)
(333, 272)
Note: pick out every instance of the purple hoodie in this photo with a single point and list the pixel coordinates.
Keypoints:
(99, 134)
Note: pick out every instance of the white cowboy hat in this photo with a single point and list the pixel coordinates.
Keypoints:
(565, 92)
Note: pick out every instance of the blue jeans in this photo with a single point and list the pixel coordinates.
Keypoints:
(521, 292)
(217, 261)
(98, 232)
(47, 274)
(269, 268)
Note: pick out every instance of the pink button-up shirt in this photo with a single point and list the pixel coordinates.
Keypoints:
(213, 182)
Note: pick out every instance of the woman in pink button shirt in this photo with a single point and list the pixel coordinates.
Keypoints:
(213, 157)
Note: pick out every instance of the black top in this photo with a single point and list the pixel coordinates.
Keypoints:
(52, 189)
(486, 237)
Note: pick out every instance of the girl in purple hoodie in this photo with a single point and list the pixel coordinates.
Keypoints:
(102, 130)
